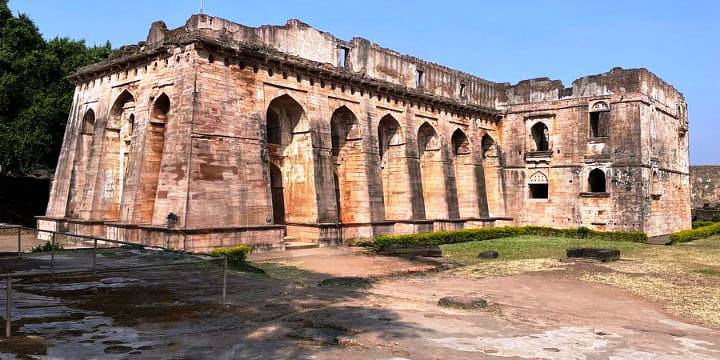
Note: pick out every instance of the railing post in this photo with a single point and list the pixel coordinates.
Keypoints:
(224, 289)
(52, 252)
(94, 254)
(19, 242)
(8, 307)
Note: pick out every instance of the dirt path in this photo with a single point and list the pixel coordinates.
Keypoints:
(174, 313)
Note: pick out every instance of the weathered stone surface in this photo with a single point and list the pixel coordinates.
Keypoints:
(250, 134)
(594, 253)
(320, 336)
(488, 254)
(463, 302)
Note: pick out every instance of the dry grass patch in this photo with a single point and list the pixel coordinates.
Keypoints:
(507, 267)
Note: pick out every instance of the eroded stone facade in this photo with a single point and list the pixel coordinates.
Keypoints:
(249, 135)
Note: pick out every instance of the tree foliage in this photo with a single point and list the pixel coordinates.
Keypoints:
(35, 94)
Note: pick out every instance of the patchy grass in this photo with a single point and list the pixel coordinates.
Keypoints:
(288, 271)
(529, 247)
(684, 278)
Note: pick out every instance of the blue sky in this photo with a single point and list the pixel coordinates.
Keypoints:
(504, 41)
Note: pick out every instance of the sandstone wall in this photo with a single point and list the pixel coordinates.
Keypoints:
(705, 180)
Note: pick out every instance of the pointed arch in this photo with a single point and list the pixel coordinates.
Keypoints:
(389, 133)
(432, 173)
(290, 148)
(155, 134)
(489, 147)
(392, 156)
(348, 157)
(460, 143)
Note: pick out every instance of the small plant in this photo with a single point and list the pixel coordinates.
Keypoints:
(583, 232)
(236, 255)
(716, 217)
(47, 246)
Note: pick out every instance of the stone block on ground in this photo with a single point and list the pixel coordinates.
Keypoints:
(603, 255)
(463, 302)
(492, 254)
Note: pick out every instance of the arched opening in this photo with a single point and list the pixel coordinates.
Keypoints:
(488, 147)
(80, 163)
(538, 186)
(432, 174)
(160, 116)
(392, 153)
(596, 181)
(278, 196)
(541, 136)
(290, 149)
(465, 181)
(88, 123)
(348, 157)
(116, 149)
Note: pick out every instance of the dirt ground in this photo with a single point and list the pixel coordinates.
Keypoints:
(175, 312)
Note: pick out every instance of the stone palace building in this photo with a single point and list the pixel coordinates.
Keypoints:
(215, 134)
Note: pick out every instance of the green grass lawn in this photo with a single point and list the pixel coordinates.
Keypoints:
(530, 247)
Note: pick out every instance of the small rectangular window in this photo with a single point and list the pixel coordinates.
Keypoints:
(418, 78)
(462, 89)
(538, 191)
(343, 56)
(599, 124)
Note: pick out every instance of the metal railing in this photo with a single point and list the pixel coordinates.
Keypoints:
(93, 269)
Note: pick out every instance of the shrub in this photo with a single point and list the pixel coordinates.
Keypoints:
(47, 246)
(236, 255)
(465, 235)
(694, 234)
(716, 217)
(700, 223)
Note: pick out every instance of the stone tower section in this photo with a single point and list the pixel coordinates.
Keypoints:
(252, 135)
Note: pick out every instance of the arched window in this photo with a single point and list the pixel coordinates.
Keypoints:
(88, 123)
(541, 136)
(538, 186)
(656, 187)
(596, 181)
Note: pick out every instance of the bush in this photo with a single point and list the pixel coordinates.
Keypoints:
(47, 246)
(694, 234)
(465, 235)
(700, 223)
(716, 217)
(236, 255)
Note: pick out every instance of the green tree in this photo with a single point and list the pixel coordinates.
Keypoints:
(35, 95)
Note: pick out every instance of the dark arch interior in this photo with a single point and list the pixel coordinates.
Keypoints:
(282, 118)
(161, 108)
(460, 143)
(426, 135)
(341, 123)
(487, 145)
(538, 132)
(596, 181)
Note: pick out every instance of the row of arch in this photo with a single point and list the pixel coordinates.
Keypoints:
(114, 144)
(287, 130)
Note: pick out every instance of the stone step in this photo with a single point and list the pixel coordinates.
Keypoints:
(297, 245)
